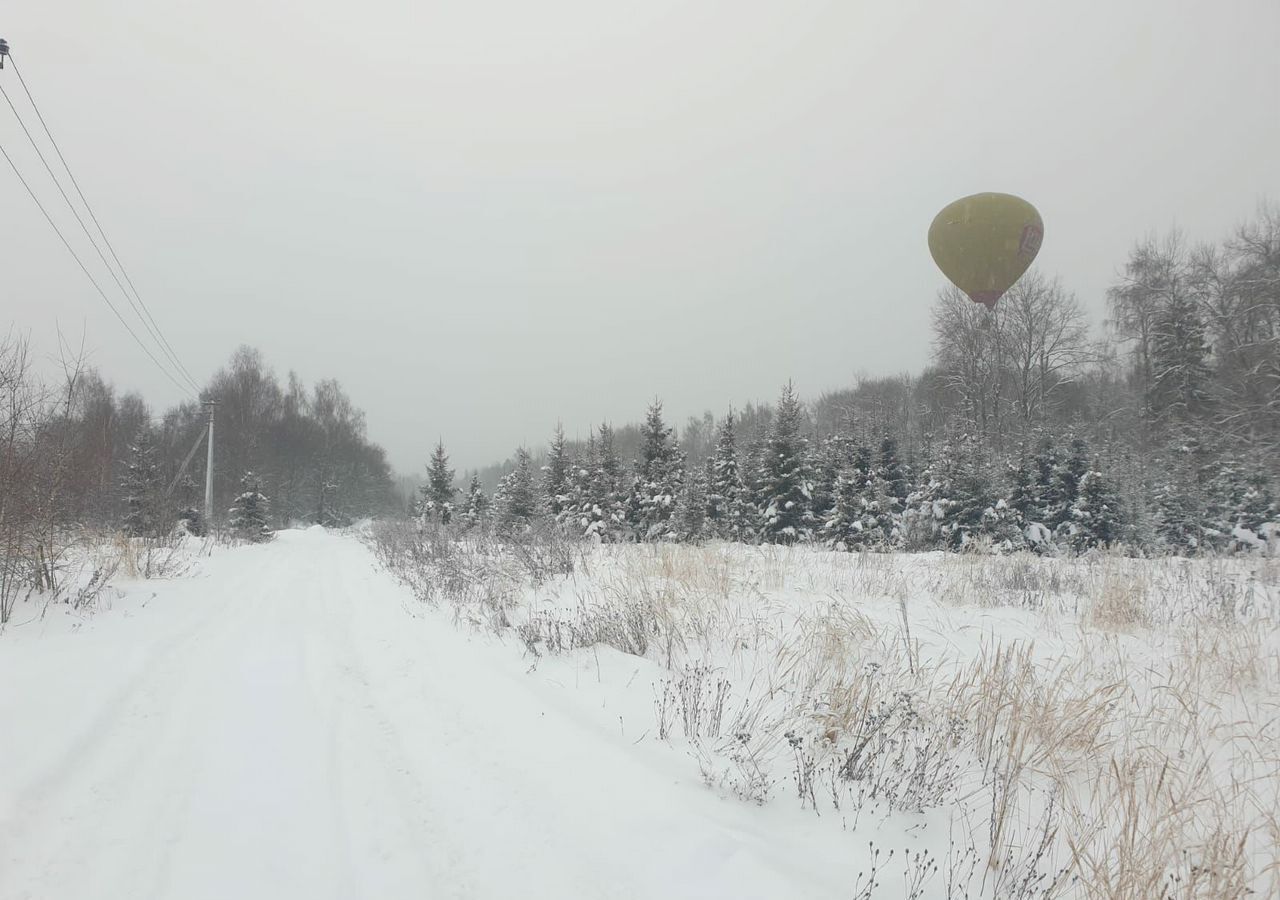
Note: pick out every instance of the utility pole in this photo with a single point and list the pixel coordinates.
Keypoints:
(210, 405)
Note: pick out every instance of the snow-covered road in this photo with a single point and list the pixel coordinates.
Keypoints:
(289, 723)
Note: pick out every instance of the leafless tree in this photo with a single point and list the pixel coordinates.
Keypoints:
(1045, 341)
(969, 349)
(1156, 275)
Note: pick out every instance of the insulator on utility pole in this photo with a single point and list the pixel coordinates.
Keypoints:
(4, 51)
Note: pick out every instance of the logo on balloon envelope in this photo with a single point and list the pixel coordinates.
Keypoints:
(985, 242)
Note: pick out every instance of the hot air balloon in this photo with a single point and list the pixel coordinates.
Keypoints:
(985, 242)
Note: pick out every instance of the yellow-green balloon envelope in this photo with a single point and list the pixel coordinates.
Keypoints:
(985, 242)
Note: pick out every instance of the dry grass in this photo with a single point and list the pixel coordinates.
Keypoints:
(1142, 696)
(1154, 721)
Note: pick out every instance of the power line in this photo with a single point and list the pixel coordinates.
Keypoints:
(151, 327)
(87, 274)
(92, 215)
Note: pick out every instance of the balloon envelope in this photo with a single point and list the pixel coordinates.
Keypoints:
(985, 242)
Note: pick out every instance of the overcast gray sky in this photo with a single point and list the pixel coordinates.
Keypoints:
(486, 216)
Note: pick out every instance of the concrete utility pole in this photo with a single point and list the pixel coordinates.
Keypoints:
(210, 405)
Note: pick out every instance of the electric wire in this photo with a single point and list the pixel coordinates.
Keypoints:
(97, 224)
(101, 293)
(156, 336)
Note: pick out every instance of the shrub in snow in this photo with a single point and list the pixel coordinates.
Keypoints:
(190, 518)
(1038, 537)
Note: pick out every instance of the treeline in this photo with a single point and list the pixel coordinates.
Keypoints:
(1162, 434)
(74, 452)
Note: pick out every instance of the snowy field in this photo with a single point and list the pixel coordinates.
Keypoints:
(394, 715)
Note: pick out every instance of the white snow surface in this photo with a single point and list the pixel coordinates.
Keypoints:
(289, 722)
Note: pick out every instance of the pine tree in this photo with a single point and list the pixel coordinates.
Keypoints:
(248, 517)
(477, 506)
(728, 512)
(926, 506)
(438, 493)
(892, 470)
(657, 477)
(786, 482)
(1178, 502)
(1018, 512)
(968, 515)
(832, 457)
(845, 524)
(598, 501)
(956, 503)
(842, 527)
(1021, 495)
(576, 515)
(1047, 492)
(140, 484)
(1179, 360)
(516, 501)
(1237, 498)
(690, 517)
(882, 513)
(1067, 479)
(555, 474)
(1095, 519)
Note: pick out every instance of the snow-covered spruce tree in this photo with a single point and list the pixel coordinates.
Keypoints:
(556, 474)
(1047, 502)
(516, 500)
(1095, 519)
(476, 510)
(595, 502)
(1239, 503)
(141, 486)
(690, 518)
(1019, 522)
(575, 515)
(925, 507)
(954, 505)
(882, 515)
(438, 493)
(893, 471)
(967, 515)
(785, 480)
(1067, 478)
(1179, 504)
(658, 471)
(728, 512)
(248, 516)
(831, 457)
(842, 528)
(607, 487)
(1179, 360)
